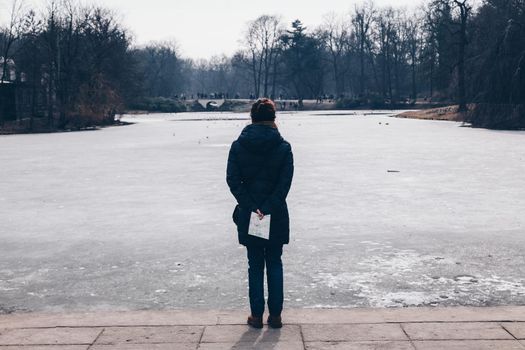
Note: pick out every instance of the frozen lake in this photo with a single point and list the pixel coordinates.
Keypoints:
(385, 212)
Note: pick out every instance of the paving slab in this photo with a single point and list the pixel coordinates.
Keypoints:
(352, 332)
(451, 331)
(381, 315)
(44, 347)
(517, 329)
(140, 330)
(376, 345)
(148, 335)
(49, 336)
(469, 345)
(165, 346)
(110, 318)
(243, 334)
(291, 316)
(253, 346)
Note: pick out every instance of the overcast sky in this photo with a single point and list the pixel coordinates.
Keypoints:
(203, 28)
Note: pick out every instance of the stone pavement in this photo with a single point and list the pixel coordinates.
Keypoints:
(497, 328)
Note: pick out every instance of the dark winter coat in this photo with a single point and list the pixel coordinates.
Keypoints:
(259, 174)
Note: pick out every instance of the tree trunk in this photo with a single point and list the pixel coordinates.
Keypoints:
(362, 68)
(274, 75)
(255, 81)
(462, 99)
(266, 72)
(337, 78)
(414, 85)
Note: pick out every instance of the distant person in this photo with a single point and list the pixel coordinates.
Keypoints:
(259, 174)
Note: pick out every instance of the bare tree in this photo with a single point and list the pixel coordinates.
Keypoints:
(29, 60)
(364, 15)
(262, 39)
(457, 12)
(160, 68)
(412, 37)
(384, 36)
(51, 50)
(11, 33)
(463, 9)
(335, 34)
(429, 56)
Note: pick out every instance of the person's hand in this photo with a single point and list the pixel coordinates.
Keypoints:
(261, 215)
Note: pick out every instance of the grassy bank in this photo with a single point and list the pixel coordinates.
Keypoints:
(449, 113)
(478, 115)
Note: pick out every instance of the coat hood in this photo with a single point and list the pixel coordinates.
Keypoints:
(259, 139)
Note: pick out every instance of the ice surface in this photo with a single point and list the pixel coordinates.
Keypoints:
(139, 216)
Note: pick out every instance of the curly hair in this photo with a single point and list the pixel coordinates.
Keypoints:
(263, 110)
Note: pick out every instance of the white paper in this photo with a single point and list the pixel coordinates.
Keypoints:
(259, 228)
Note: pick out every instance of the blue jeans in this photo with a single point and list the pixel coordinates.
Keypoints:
(257, 256)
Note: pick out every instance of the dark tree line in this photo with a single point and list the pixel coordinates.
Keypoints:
(447, 51)
(79, 64)
(74, 62)
(77, 67)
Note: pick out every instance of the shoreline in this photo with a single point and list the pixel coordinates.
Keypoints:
(406, 328)
(448, 113)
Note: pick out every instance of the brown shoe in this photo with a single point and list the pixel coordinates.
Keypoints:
(255, 322)
(275, 321)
